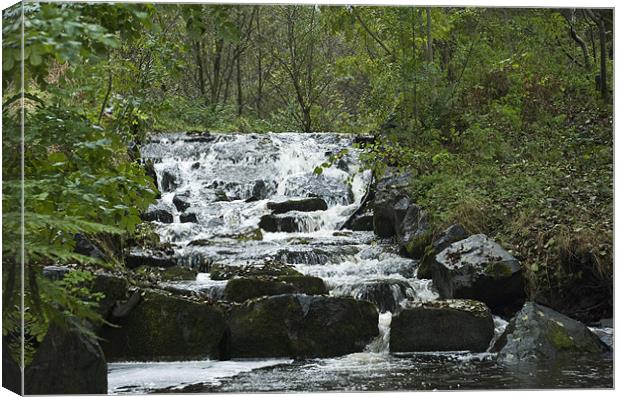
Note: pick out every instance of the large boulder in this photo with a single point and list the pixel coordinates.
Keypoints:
(442, 326)
(244, 288)
(84, 246)
(305, 204)
(478, 268)
(451, 235)
(301, 326)
(538, 332)
(166, 327)
(67, 362)
(391, 203)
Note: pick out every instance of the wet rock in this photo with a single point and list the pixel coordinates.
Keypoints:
(188, 218)
(451, 235)
(114, 289)
(158, 214)
(55, 273)
(390, 204)
(332, 190)
(165, 327)
(266, 269)
(11, 372)
(242, 289)
(386, 294)
(181, 202)
(260, 191)
(279, 223)
(301, 326)
(67, 362)
(538, 332)
(442, 326)
(414, 232)
(297, 204)
(168, 181)
(478, 268)
(178, 273)
(154, 257)
(362, 222)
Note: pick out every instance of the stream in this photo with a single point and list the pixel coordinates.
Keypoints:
(225, 182)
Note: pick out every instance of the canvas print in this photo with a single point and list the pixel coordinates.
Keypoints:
(209, 198)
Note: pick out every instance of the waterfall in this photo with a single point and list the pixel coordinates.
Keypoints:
(223, 184)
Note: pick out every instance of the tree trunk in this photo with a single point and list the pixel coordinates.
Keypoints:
(602, 39)
(429, 37)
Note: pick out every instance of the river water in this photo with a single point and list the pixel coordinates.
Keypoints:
(226, 181)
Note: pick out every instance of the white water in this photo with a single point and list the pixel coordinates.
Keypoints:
(140, 377)
(235, 168)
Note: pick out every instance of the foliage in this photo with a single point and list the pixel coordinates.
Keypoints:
(77, 176)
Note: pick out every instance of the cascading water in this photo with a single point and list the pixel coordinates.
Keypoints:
(226, 182)
(217, 189)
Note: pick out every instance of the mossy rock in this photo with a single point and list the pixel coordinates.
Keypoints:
(447, 325)
(244, 288)
(266, 269)
(425, 268)
(301, 326)
(306, 284)
(416, 247)
(539, 333)
(114, 288)
(178, 273)
(165, 327)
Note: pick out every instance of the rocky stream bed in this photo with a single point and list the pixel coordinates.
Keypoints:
(274, 278)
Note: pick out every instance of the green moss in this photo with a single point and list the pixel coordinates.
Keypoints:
(560, 338)
(416, 247)
(425, 268)
(498, 270)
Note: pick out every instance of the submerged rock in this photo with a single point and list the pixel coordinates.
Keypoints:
(478, 268)
(301, 326)
(67, 362)
(305, 204)
(442, 326)
(538, 332)
(244, 288)
(165, 327)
